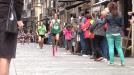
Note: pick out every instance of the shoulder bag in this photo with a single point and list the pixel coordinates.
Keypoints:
(11, 23)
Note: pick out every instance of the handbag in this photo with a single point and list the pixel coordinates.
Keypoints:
(11, 23)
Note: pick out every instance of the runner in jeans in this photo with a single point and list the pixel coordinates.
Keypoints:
(55, 27)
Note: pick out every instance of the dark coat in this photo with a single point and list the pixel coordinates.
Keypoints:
(8, 41)
(4, 5)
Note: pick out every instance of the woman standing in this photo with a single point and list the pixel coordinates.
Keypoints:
(114, 31)
(99, 34)
(8, 41)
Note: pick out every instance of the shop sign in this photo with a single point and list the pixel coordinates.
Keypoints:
(97, 8)
(103, 0)
(61, 8)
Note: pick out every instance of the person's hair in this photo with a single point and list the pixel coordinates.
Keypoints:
(82, 14)
(88, 14)
(55, 14)
(93, 15)
(113, 7)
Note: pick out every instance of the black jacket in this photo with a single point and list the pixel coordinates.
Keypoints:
(4, 5)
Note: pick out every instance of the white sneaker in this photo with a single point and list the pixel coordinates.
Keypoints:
(68, 52)
(105, 60)
(38, 46)
(84, 55)
(122, 64)
(110, 64)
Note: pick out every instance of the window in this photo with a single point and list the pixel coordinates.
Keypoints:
(96, 1)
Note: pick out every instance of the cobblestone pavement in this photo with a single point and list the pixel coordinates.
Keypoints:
(31, 60)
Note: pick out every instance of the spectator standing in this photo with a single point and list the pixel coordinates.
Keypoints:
(114, 31)
(68, 37)
(8, 41)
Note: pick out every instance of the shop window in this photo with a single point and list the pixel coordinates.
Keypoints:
(96, 1)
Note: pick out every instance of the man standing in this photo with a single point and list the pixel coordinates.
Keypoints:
(8, 41)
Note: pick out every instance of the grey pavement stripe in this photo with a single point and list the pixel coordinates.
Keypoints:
(82, 69)
(14, 67)
(125, 65)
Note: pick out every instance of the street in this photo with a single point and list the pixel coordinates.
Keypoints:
(31, 60)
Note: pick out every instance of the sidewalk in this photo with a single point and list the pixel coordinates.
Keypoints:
(33, 61)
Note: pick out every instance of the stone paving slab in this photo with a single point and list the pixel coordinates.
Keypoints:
(33, 61)
(12, 69)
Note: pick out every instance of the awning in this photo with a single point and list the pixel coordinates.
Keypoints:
(101, 2)
(66, 0)
(69, 0)
(75, 5)
(62, 12)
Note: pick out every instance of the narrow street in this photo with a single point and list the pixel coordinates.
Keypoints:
(33, 61)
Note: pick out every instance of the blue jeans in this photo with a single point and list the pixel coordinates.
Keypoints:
(82, 42)
(105, 48)
(49, 39)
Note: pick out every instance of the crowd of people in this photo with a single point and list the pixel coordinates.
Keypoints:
(94, 35)
(91, 34)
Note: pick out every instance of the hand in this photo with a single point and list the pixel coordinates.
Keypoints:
(131, 21)
(20, 24)
(49, 32)
(130, 13)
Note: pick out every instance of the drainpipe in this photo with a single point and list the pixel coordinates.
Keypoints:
(133, 29)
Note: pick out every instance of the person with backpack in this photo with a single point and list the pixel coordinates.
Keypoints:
(55, 28)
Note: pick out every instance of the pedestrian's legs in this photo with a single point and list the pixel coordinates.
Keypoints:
(91, 46)
(66, 45)
(53, 45)
(49, 39)
(82, 42)
(119, 48)
(110, 40)
(4, 66)
(76, 49)
(42, 42)
(70, 45)
(97, 44)
(105, 49)
(57, 41)
(88, 43)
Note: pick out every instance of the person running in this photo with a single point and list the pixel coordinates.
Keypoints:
(55, 28)
(41, 34)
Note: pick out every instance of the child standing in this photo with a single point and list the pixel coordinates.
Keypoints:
(68, 37)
